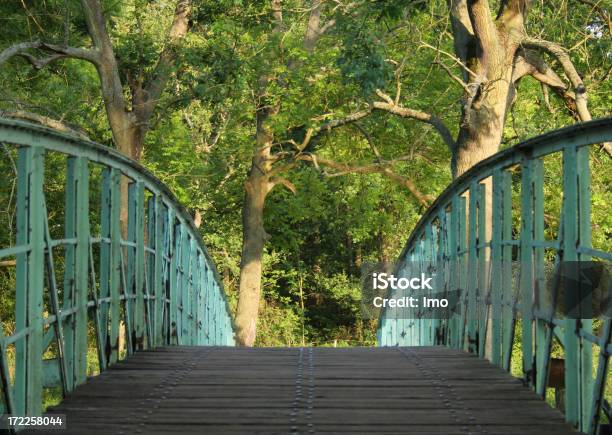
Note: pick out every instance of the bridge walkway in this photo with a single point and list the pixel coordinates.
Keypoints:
(222, 390)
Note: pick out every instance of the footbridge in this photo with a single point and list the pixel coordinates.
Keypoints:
(117, 308)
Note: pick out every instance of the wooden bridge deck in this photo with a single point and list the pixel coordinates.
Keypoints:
(378, 391)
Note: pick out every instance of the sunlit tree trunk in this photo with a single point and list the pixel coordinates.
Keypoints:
(487, 48)
(254, 237)
(257, 186)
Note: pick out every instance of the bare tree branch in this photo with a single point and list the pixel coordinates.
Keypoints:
(570, 71)
(457, 60)
(456, 78)
(390, 106)
(74, 52)
(40, 63)
(284, 182)
(529, 62)
(537, 68)
(325, 27)
(370, 141)
(383, 169)
(58, 51)
(315, 135)
(17, 49)
(572, 74)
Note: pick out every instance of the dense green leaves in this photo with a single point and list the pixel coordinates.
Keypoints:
(203, 133)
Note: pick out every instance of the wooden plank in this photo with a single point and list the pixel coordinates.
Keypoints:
(291, 390)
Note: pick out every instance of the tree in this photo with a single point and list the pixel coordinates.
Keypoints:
(493, 55)
(129, 115)
(275, 154)
(335, 100)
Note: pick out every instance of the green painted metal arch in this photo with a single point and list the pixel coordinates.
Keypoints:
(28, 134)
(158, 284)
(466, 237)
(581, 134)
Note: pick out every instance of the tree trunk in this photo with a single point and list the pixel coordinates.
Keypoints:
(254, 238)
(488, 48)
(476, 142)
(257, 187)
(129, 142)
(482, 124)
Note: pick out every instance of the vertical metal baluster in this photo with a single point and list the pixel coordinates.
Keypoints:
(7, 405)
(98, 325)
(129, 252)
(426, 260)
(24, 167)
(175, 231)
(105, 254)
(603, 371)
(195, 253)
(69, 270)
(507, 294)
(127, 307)
(454, 282)
(541, 350)
(136, 236)
(440, 325)
(200, 296)
(158, 287)
(585, 354)
(114, 185)
(463, 274)
(496, 256)
(569, 244)
(150, 295)
(472, 287)
(483, 278)
(81, 270)
(207, 306)
(170, 289)
(165, 273)
(54, 300)
(30, 280)
(185, 263)
(218, 310)
(526, 266)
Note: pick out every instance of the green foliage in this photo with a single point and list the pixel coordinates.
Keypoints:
(202, 136)
(362, 61)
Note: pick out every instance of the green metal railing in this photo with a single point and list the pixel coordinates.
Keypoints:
(157, 286)
(469, 247)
